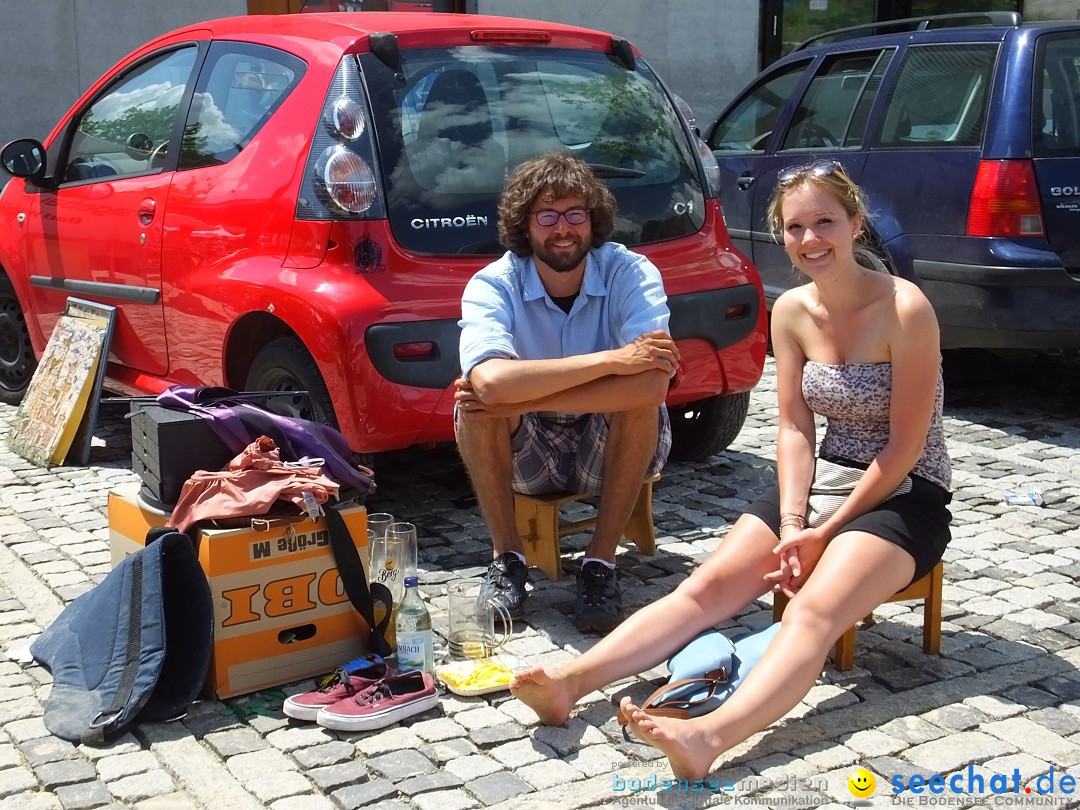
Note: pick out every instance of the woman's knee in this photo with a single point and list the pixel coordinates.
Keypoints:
(812, 617)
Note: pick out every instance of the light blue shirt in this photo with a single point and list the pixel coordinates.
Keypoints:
(506, 312)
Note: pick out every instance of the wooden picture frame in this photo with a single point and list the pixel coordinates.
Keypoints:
(58, 414)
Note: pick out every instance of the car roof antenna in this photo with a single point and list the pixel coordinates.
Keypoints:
(623, 51)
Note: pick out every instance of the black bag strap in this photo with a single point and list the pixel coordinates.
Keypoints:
(351, 571)
(110, 719)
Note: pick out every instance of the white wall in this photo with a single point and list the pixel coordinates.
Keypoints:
(704, 50)
(52, 50)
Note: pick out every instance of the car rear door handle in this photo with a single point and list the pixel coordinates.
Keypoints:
(745, 182)
(146, 211)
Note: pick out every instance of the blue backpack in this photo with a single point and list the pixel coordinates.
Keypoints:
(135, 647)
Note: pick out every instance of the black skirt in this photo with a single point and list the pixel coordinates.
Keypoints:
(917, 521)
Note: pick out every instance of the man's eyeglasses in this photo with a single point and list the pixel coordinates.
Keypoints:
(820, 168)
(575, 216)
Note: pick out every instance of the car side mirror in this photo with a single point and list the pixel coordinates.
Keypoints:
(138, 146)
(24, 158)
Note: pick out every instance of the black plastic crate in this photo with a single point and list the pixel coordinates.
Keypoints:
(167, 446)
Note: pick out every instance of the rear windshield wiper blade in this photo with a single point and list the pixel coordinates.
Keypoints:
(603, 170)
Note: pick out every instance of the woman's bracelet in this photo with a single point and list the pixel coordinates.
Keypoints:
(792, 519)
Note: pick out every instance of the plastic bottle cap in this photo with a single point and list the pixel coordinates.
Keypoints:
(411, 582)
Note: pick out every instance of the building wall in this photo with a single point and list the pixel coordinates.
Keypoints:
(704, 50)
(52, 50)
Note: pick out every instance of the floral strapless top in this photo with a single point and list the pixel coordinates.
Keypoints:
(854, 399)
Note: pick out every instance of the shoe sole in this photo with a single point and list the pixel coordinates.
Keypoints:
(376, 720)
(300, 711)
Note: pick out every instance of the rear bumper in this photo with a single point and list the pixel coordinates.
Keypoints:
(1003, 307)
(721, 318)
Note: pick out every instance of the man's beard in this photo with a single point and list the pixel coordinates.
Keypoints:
(560, 260)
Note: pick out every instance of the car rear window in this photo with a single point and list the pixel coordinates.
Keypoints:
(1057, 96)
(940, 96)
(460, 121)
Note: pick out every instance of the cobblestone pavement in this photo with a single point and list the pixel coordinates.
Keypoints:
(1003, 697)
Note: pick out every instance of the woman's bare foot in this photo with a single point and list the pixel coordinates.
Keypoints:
(689, 749)
(547, 694)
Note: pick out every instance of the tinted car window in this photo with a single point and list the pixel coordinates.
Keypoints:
(463, 119)
(940, 96)
(825, 113)
(747, 127)
(1057, 96)
(127, 130)
(238, 88)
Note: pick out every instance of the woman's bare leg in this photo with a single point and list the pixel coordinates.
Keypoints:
(725, 583)
(857, 572)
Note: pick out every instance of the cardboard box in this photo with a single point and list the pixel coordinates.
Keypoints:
(281, 613)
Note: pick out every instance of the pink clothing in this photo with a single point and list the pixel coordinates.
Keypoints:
(250, 484)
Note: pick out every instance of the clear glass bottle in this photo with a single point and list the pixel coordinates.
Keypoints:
(415, 644)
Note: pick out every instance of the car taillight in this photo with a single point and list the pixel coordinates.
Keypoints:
(1005, 200)
(341, 180)
(349, 181)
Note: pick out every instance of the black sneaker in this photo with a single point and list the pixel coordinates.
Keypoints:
(505, 583)
(599, 603)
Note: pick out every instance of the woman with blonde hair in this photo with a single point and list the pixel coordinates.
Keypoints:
(861, 349)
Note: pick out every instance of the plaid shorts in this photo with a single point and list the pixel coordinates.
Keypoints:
(564, 452)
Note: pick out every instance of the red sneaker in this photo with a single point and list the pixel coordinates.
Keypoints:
(350, 679)
(383, 704)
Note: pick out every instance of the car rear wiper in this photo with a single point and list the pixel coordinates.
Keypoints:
(603, 170)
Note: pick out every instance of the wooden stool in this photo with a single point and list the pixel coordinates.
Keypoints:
(928, 589)
(538, 526)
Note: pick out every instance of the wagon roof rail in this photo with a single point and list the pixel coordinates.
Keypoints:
(997, 19)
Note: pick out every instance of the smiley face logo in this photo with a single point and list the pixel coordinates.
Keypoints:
(862, 783)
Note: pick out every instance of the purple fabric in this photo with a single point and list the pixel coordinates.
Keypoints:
(238, 423)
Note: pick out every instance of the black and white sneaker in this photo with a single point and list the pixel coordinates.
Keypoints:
(599, 603)
(505, 583)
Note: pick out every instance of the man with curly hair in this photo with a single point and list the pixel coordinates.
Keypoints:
(566, 361)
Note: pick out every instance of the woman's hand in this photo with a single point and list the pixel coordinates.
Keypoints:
(799, 551)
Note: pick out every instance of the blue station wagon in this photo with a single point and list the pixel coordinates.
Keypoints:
(964, 131)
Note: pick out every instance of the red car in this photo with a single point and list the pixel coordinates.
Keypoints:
(296, 203)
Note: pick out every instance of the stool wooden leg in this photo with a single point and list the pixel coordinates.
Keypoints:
(639, 528)
(779, 602)
(538, 528)
(844, 651)
(932, 611)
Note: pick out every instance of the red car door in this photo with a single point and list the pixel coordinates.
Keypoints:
(98, 235)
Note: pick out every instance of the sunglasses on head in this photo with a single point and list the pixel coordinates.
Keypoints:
(575, 216)
(820, 168)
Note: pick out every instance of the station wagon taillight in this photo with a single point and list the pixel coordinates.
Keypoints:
(1005, 200)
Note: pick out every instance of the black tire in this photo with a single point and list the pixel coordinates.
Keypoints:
(17, 361)
(703, 428)
(285, 365)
